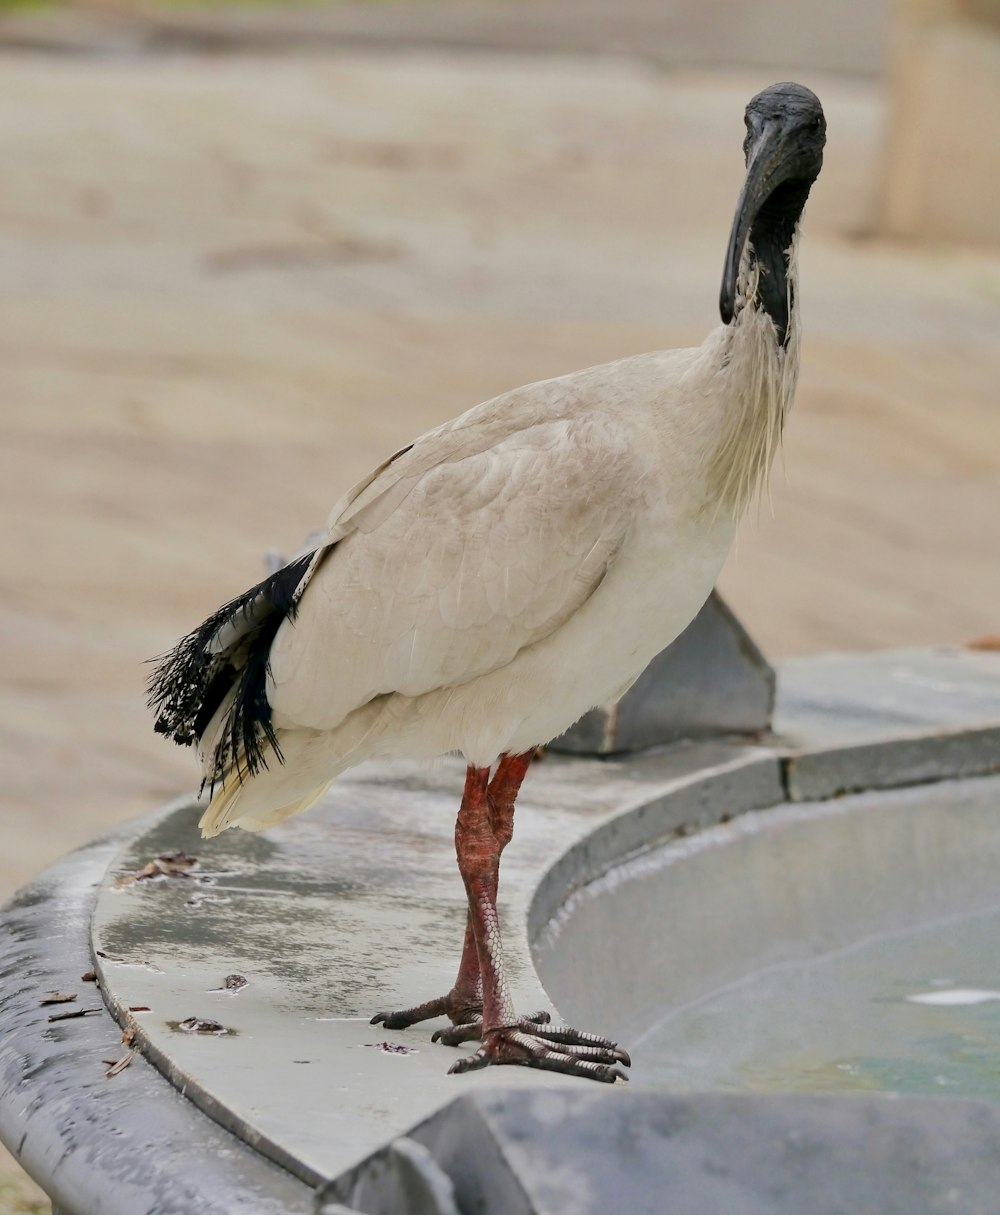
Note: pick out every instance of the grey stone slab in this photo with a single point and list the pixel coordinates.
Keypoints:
(712, 680)
(402, 1177)
(590, 1153)
(863, 721)
(948, 755)
(119, 1145)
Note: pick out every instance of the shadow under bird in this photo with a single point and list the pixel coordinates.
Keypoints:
(506, 572)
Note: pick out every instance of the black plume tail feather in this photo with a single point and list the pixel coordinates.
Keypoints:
(228, 655)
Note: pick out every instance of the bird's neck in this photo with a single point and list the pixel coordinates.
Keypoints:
(768, 272)
(758, 366)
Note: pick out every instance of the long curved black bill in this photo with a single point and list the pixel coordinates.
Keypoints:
(763, 174)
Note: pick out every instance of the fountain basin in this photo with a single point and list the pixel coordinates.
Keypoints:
(842, 946)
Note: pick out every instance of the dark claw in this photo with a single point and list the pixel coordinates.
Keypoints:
(539, 1018)
(531, 1042)
(391, 1020)
(470, 1063)
(575, 1037)
(471, 1031)
(569, 1065)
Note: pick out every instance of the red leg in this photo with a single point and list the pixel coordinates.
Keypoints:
(484, 826)
(483, 829)
(464, 1003)
(478, 853)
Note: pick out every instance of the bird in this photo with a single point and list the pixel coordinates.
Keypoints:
(501, 575)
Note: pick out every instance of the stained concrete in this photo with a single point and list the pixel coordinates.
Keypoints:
(120, 1145)
(370, 914)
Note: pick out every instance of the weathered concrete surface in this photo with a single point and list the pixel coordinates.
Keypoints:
(121, 1145)
(853, 721)
(371, 913)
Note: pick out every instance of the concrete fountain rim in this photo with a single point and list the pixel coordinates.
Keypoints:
(57, 1109)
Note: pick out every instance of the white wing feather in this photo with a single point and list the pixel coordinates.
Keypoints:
(478, 540)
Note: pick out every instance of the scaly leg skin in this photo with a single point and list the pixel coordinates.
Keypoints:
(507, 1038)
(525, 1040)
(464, 1003)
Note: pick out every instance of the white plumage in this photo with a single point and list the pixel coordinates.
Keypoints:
(509, 570)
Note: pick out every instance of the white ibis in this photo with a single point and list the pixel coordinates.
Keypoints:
(503, 574)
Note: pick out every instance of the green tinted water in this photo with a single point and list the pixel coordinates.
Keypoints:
(913, 1013)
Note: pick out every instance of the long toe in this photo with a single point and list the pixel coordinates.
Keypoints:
(403, 1018)
(472, 1031)
(595, 1059)
(455, 1035)
(569, 1037)
(458, 1008)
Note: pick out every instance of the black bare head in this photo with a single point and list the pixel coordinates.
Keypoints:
(786, 131)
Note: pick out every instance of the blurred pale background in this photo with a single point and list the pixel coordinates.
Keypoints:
(245, 253)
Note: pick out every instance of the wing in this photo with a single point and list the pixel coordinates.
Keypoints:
(479, 540)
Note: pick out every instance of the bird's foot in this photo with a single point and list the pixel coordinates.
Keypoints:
(472, 1030)
(460, 1009)
(551, 1048)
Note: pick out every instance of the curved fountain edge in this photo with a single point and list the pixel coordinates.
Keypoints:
(42, 1077)
(57, 1108)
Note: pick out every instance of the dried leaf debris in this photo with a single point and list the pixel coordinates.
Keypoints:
(168, 864)
(231, 984)
(76, 1012)
(119, 1065)
(202, 1025)
(58, 997)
